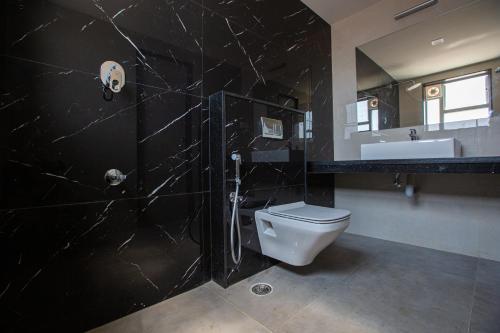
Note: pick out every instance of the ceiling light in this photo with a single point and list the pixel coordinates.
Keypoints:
(414, 86)
(415, 9)
(438, 41)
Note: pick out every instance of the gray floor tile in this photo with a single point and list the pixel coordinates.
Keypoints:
(358, 284)
(389, 298)
(368, 246)
(378, 250)
(199, 310)
(293, 287)
(488, 273)
(416, 257)
(289, 296)
(485, 316)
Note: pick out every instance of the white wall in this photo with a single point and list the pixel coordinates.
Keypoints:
(478, 138)
(455, 213)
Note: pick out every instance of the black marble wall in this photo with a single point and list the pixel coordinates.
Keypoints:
(374, 81)
(77, 253)
(276, 50)
(272, 173)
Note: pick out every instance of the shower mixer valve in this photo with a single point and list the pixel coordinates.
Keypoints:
(113, 78)
(114, 177)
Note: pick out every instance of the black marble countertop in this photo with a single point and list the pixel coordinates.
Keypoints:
(428, 165)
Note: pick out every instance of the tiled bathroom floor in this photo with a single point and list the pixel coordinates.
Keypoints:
(358, 284)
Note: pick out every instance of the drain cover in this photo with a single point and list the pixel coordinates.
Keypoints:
(261, 289)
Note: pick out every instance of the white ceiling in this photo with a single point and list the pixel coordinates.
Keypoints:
(471, 35)
(335, 10)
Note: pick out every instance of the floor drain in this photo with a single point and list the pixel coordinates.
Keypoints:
(261, 289)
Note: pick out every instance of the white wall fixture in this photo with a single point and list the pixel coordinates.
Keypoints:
(438, 148)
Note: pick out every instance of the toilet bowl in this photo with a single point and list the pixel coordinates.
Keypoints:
(295, 233)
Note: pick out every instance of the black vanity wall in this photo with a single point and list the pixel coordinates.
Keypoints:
(77, 253)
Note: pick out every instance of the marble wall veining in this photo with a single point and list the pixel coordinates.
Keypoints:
(272, 173)
(277, 51)
(272, 50)
(78, 253)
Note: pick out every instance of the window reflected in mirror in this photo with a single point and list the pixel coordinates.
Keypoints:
(367, 113)
(458, 99)
(442, 73)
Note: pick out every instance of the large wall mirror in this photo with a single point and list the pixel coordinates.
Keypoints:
(443, 72)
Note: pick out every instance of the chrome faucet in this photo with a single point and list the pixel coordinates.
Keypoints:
(413, 134)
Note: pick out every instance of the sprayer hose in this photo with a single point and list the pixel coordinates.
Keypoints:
(235, 220)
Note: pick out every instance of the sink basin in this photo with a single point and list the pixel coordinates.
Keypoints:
(436, 148)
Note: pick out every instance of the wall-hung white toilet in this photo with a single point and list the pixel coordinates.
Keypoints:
(295, 233)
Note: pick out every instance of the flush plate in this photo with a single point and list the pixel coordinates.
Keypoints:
(271, 128)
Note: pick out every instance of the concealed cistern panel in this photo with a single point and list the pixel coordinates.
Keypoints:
(271, 128)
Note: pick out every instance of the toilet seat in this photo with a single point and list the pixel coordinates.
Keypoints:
(300, 211)
(295, 233)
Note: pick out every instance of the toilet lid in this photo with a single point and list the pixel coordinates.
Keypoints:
(302, 211)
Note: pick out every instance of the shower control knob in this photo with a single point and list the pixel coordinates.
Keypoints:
(114, 177)
(232, 196)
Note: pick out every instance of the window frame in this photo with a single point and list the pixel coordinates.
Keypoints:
(369, 122)
(442, 82)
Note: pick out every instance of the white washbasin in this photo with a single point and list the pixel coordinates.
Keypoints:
(436, 148)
